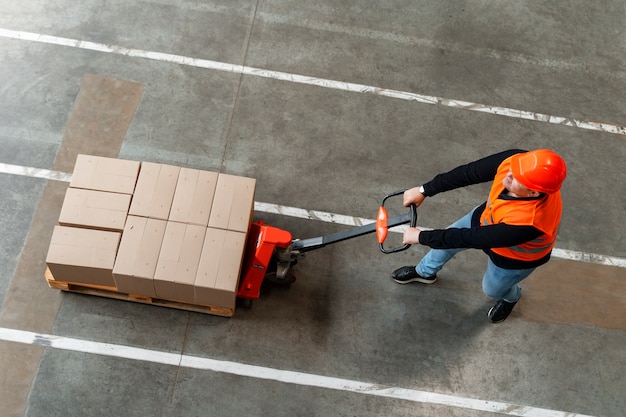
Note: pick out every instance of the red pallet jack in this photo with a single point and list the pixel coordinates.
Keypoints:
(270, 251)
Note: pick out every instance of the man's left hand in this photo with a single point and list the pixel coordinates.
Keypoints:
(411, 236)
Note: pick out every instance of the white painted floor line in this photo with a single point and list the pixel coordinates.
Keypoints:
(35, 172)
(607, 127)
(271, 374)
(341, 219)
(563, 64)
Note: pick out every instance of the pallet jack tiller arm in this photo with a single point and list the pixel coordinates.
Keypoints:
(271, 251)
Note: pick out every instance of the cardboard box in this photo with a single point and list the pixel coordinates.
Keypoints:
(94, 209)
(178, 262)
(155, 190)
(233, 204)
(194, 196)
(138, 255)
(105, 174)
(83, 256)
(218, 274)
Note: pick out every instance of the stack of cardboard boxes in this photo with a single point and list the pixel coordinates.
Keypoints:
(153, 230)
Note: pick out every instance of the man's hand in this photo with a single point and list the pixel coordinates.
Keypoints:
(413, 196)
(411, 236)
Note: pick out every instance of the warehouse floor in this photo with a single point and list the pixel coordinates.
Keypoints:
(329, 105)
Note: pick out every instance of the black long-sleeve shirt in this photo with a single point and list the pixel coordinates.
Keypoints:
(477, 236)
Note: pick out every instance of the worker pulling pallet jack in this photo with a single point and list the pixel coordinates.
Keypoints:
(516, 227)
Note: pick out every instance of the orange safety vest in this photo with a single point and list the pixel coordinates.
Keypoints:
(544, 214)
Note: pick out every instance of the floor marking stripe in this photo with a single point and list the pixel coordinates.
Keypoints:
(34, 172)
(341, 219)
(460, 48)
(606, 127)
(279, 375)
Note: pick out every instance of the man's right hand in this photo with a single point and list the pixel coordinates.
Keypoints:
(413, 196)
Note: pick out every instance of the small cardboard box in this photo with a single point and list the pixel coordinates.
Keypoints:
(137, 255)
(233, 204)
(83, 255)
(94, 209)
(155, 190)
(105, 174)
(194, 196)
(178, 261)
(217, 279)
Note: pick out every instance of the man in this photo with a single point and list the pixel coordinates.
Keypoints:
(516, 227)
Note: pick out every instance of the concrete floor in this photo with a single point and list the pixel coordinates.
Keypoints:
(321, 146)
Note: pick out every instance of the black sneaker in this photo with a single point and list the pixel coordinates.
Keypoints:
(408, 274)
(500, 311)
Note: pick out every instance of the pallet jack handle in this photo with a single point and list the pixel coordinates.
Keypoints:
(380, 227)
(382, 223)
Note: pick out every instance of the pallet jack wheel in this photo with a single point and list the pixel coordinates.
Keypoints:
(244, 303)
(272, 278)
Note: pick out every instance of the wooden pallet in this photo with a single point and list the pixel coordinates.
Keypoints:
(111, 292)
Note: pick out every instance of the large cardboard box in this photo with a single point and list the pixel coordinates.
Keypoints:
(155, 190)
(233, 204)
(94, 209)
(138, 255)
(83, 255)
(193, 198)
(217, 279)
(105, 174)
(178, 261)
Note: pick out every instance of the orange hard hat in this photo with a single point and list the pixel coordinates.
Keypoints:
(539, 170)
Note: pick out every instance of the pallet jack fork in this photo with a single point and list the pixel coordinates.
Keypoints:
(270, 251)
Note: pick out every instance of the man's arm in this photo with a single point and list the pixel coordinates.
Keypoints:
(482, 170)
(481, 237)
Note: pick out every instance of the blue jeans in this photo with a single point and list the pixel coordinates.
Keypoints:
(498, 283)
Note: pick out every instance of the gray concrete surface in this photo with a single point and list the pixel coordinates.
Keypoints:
(329, 150)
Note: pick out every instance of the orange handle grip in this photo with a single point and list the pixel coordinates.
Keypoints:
(381, 224)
